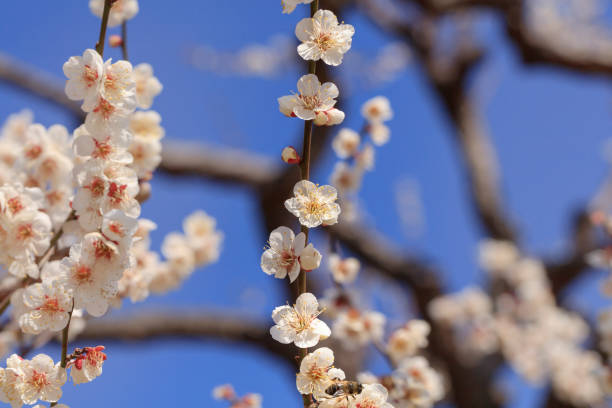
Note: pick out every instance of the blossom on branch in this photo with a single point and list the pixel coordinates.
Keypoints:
(299, 324)
(323, 38)
(313, 205)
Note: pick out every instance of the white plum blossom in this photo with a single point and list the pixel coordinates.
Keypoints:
(42, 379)
(46, 306)
(203, 237)
(356, 329)
(290, 5)
(11, 379)
(346, 143)
(288, 254)
(112, 148)
(299, 324)
(313, 98)
(85, 76)
(313, 205)
(118, 227)
(323, 38)
(343, 270)
(121, 10)
(377, 110)
(372, 396)
(346, 178)
(147, 85)
(407, 340)
(317, 371)
(87, 365)
(379, 133)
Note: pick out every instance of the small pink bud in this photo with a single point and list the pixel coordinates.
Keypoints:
(290, 155)
(115, 40)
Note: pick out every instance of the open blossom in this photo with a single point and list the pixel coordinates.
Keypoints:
(317, 371)
(372, 396)
(377, 110)
(346, 143)
(299, 324)
(287, 254)
(84, 76)
(314, 205)
(346, 178)
(121, 10)
(111, 147)
(290, 5)
(343, 270)
(11, 378)
(379, 133)
(41, 379)
(147, 85)
(203, 237)
(356, 329)
(26, 236)
(407, 340)
(323, 38)
(416, 383)
(118, 83)
(91, 272)
(313, 98)
(46, 307)
(88, 365)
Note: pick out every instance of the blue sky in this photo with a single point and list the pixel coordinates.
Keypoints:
(547, 126)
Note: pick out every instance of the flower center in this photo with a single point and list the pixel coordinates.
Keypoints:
(51, 305)
(325, 41)
(25, 232)
(38, 380)
(82, 273)
(90, 76)
(116, 192)
(102, 250)
(104, 108)
(14, 205)
(311, 102)
(96, 187)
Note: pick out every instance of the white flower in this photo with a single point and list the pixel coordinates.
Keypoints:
(316, 371)
(323, 38)
(299, 324)
(106, 118)
(105, 148)
(11, 379)
(377, 110)
(312, 98)
(346, 178)
(203, 237)
(88, 365)
(84, 76)
(497, 256)
(177, 250)
(118, 86)
(365, 158)
(373, 396)
(356, 329)
(118, 227)
(27, 236)
(416, 378)
(379, 133)
(407, 340)
(224, 392)
(146, 125)
(346, 143)
(42, 380)
(290, 5)
(121, 10)
(147, 85)
(287, 254)
(343, 270)
(47, 308)
(91, 272)
(314, 205)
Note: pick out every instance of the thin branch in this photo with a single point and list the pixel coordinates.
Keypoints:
(152, 326)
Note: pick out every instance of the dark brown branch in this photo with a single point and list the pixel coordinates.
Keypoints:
(191, 325)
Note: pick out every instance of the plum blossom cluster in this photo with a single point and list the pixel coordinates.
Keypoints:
(71, 237)
(357, 158)
(227, 393)
(540, 340)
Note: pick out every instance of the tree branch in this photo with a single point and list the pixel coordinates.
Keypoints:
(203, 325)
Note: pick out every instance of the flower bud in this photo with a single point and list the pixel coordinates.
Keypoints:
(115, 40)
(290, 155)
(335, 116)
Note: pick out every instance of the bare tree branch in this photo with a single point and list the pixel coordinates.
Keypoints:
(217, 164)
(203, 326)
